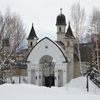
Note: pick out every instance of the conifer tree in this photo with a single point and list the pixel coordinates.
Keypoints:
(2, 76)
(91, 67)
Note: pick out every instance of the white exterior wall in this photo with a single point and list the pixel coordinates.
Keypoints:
(34, 41)
(69, 50)
(32, 76)
(29, 76)
(60, 34)
(60, 37)
(37, 76)
(60, 77)
(62, 28)
(71, 42)
(61, 74)
(56, 77)
(77, 68)
(35, 56)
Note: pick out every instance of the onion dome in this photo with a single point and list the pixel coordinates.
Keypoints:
(61, 20)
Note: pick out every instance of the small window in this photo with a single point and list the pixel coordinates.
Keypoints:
(30, 43)
(68, 43)
(60, 29)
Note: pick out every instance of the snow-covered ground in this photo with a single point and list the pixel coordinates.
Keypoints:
(75, 90)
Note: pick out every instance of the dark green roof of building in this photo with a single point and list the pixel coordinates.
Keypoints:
(69, 33)
(32, 34)
(61, 19)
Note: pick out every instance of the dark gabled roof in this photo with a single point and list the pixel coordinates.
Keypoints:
(32, 34)
(69, 33)
(60, 43)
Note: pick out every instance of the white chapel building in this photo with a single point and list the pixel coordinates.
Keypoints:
(52, 62)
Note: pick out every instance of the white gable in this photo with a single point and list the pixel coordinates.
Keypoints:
(46, 47)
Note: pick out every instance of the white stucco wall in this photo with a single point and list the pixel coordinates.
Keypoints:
(77, 68)
(60, 37)
(63, 28)
(61, 33)
(69, 50)
(46, 47)
(40, 50)
(34, 41)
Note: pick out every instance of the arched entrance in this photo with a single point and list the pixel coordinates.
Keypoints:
(48, 66)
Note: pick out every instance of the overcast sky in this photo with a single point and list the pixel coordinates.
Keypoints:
(43, 13)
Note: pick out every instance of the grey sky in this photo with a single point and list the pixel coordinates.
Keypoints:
(43, 13)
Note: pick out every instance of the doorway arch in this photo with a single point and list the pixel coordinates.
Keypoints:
(47, 70)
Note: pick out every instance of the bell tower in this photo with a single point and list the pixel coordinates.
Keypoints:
(32, 38)
(69, 50)
(61, 25)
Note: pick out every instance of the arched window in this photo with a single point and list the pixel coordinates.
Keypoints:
(30, 43)
(59, 29)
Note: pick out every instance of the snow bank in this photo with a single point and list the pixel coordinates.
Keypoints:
(80, 83)
(33, 92)
(75, 91)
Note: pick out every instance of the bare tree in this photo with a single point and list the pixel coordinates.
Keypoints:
(94, 29)
(78, 18)
(88, 38)
(12, 37)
